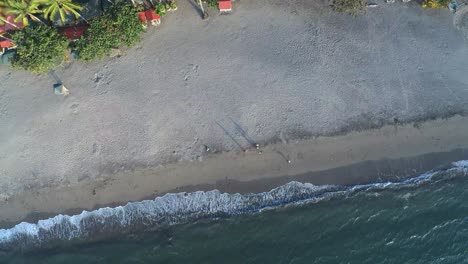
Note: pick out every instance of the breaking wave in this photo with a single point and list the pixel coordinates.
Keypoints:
(180, 208)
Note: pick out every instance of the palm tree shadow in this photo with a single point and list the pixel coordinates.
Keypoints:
(230, 136)
(283, 156)
(243, 133)
(196, 7)
(54, 77)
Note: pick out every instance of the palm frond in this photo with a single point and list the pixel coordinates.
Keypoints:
(62, 7)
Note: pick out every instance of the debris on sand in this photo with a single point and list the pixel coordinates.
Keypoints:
(61, 90)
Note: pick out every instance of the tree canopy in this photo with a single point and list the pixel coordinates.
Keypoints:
(40, 48)
(353, 7)
(23, 10)
(118, 26)
(61, 7)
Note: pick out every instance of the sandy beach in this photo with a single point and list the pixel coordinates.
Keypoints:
(346, 100)
(390, 153)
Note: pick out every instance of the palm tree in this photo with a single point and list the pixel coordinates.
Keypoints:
(24, 10)
(3, 19)
(2, 9)
(63, 7)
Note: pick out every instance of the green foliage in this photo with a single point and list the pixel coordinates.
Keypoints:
(61, 7)
(213, 3)
(436, 3)
(3, 7)
(167, 7)
(23, 10)
(353, 7)
(126, 23)
(160, 9)
(173, 5)
(40, 48)
(118, 26)
(98, 40)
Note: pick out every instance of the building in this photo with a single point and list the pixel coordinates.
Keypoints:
(5, 44)
(142, 17)
(152, 17)
(73, 32)
(225, 5)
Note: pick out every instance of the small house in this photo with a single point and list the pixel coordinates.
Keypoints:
(142, 17)
(5, 44)
(152, 17)
(225, 5)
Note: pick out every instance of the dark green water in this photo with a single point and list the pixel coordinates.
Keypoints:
(427, 223)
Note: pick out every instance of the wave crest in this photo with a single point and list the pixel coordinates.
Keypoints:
(179, 208)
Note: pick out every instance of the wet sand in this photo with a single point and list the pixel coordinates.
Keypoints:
(389, 153)
(272, 72)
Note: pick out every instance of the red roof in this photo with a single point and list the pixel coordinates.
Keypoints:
(8, 26)
(151, 15)
(224, 5)
(142, 16)
(73, 32)
(6, 44)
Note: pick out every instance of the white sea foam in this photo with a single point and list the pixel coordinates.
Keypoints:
(176, 208)
(461, 164)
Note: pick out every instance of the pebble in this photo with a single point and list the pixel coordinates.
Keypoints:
(4, 197)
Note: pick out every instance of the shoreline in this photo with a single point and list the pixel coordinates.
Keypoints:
(182, 208)
(388, 153)
(274, 70)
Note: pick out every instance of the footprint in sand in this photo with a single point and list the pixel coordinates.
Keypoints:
(74, 108)
(94, 148)
(191, 71)
(98, 77)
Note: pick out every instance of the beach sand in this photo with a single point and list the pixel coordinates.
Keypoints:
(390, 153)
(345, 99)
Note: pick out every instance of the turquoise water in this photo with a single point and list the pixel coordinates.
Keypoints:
(422, 221)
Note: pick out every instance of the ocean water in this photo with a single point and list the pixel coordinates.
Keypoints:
(418, 220)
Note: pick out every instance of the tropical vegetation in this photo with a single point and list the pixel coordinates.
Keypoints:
(160, 9)
(61, 7)
(353, 7)
(39, 45)
(40, 48)
(119, 26)
(2, 10)
(26, 10)
(23, 10)
(435, 3)
(212, 3)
